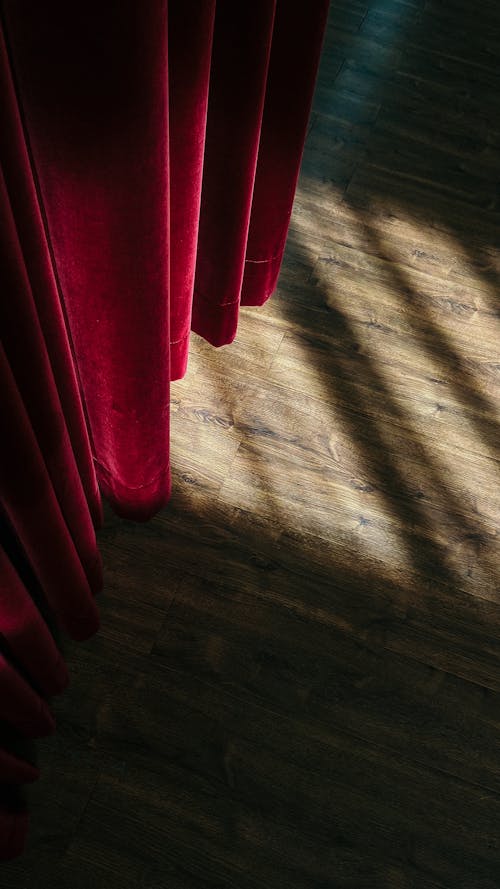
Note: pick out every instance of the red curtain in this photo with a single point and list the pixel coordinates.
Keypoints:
(149, 157)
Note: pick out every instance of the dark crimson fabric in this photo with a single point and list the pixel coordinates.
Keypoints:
(23, 207)
(26, 634)
(240, 58)
(149, 154)
(15, 770)
(92, 80)
(34, 511)
(13, 829)
(297, 35)
(191, 26)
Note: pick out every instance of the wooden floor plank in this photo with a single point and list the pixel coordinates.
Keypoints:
(297, 679)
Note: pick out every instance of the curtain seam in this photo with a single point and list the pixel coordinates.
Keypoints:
(262, 261)
(206, 299)
(113, 479)
(176, 342)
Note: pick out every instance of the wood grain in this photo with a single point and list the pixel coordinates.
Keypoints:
(297, 680)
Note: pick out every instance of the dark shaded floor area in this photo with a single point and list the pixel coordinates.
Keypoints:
(297, 680)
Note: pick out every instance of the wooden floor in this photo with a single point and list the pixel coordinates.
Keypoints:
(297, 681)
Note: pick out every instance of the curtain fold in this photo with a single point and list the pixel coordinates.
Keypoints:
(23, 205)
(190, 59)
(240, 60)
(92, 82)
(295, 50)
(149, 157)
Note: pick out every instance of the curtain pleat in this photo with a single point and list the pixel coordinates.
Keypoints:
(26, 634)
(149, 157)
(191, 26)
(13, 828)
(92, 81)
(296, 46)
(18, 175)
(240, 58)
(19, 322)
(32, 507)
(15, 770)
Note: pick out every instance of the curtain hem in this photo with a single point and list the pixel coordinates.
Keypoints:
(136, 503)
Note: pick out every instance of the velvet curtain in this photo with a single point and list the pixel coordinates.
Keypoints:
(149, 156)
